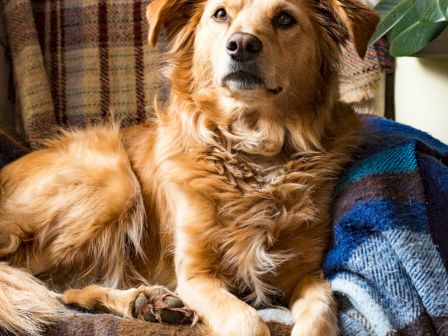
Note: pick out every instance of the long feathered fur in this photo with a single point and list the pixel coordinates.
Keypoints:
(26, 304)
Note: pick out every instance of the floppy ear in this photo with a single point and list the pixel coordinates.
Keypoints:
(359, 20)
(170, 14)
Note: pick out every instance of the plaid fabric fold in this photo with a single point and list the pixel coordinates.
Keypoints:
(109, 325)
(80, 62)
(10, 149)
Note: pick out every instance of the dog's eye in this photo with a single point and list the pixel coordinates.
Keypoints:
(284, 20)
(221, 15)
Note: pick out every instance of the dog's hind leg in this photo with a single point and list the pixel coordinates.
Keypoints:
(154, 304)
(72, 207)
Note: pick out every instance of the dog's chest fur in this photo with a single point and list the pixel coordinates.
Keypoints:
(262, 201)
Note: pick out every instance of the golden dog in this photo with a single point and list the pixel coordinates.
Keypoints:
(224, 198)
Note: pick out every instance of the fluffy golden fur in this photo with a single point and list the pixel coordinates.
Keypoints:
(224, 197)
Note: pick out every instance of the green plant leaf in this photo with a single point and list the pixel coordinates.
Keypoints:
(433, 13)
(412, 23)
(411, 17)
(415, 38)
(391, 11)
(443, 6)
(384, 7)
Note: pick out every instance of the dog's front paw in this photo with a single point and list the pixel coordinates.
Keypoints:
(241, 323)
(316, 328)
(158, 304)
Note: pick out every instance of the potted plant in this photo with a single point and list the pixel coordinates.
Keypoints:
(412, 24)
(418, 36)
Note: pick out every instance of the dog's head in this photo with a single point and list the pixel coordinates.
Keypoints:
(262, 56)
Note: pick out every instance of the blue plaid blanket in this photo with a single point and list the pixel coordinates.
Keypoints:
(388, 263)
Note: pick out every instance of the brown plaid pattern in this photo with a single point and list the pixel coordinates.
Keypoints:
(107, 325)
(76, 62)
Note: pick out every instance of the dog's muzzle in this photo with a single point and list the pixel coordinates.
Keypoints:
(246, 77)
(243, 49)
(244, 73)
(243, 77)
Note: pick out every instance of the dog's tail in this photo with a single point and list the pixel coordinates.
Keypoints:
(26, 306)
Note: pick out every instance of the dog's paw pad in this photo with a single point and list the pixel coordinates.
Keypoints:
(157, 304)
(140, 304)
(173, 301)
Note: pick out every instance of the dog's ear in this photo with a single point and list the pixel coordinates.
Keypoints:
(358, 19)
(170, 14)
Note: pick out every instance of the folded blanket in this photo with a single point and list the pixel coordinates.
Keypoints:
(388, 263)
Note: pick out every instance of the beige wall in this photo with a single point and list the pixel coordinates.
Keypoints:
(421, 94)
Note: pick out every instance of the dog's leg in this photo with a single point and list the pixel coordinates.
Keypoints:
(224, 313)
(313, 308)
(154, 304)
(72, 205)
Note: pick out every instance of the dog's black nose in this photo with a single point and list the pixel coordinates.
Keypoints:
(244, 47)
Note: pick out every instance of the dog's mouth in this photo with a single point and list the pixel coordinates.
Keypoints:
(243, 80)
(246, 81)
